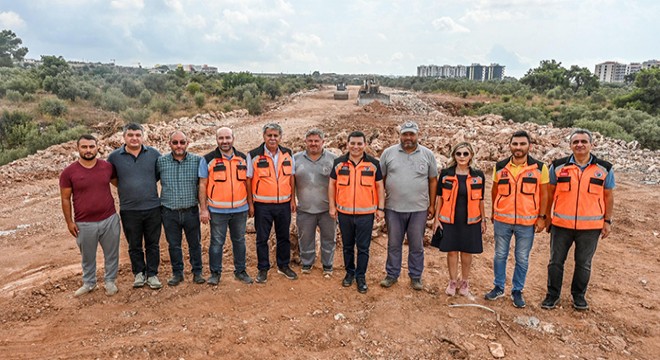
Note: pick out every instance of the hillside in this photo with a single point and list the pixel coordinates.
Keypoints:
(315, 317)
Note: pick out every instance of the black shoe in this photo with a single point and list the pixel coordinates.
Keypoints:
(550, 302)
(287, 272)
(362, 285)
(198, 279)
(243, 277)
(348, 280)
(306, 269)
(518, 299)
(262, 276)
(388, 281)
(214, 279)
(175, 280)
(580, 303)
(416, 284)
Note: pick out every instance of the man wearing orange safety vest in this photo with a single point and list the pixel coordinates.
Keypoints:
(519, 197)
(271, 180)
(355, 194)
(581, 189)
(223, 198)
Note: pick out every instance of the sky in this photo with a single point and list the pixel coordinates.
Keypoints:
(337, 36)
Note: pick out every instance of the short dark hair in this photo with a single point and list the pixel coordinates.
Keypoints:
(581, 131)
(133, 127)
(86, 137)
(356, 134)
(521, 133)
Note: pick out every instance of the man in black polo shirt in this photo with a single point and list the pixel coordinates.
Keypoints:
(139, 205)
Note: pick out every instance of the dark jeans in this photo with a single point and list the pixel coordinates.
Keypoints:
(412, 225)
(219, 224)
(187, 220)
(356, 232)
(561, 240)
(139, 224)
(264, 216)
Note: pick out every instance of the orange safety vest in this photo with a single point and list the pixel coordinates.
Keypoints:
(475, 187)
(518, 198)
(355, 190)
(579, 199)
(268, 185)
(226, 187)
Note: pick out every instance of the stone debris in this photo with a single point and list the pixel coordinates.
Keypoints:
(496, 349)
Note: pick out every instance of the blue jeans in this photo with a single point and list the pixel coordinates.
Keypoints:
(219, 224)
(561, 240)
(186, 220)
(139, 224)
(264, 217)
(356, 232)
(524, 241)
(400, 224)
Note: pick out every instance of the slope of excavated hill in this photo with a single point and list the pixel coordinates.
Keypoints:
(315, 317)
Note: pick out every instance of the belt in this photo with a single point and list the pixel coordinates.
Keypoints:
(182, 210)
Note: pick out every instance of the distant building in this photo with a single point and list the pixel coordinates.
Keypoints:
(650, 64)
(475, 71)
(611, 72)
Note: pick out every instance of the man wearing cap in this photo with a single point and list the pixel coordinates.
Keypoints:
(410, 174)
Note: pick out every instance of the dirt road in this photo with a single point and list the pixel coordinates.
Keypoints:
(315, 317)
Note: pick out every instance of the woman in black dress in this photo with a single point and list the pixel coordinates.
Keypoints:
(459, 212)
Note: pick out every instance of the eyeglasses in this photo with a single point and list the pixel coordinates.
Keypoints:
(177, 142)
(462, 154)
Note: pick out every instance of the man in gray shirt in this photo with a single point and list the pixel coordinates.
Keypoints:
(410, 173)
(139, 205)
(312, 174)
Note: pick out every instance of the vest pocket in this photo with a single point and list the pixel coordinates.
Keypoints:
(343, 177)
(367, 178)
(528, 186)
(596, 185)
(263, 168)
(241, 172)
(476, 191)
(563, 183)
(503, 187)
(286, 167)
(447, 187)
(220, 172)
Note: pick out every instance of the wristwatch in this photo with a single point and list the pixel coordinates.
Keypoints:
(544, 216)
(609, 221)
(381, 209)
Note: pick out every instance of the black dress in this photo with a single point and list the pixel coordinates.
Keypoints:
(461, 236)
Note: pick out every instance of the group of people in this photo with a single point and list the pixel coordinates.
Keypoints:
(572, 199)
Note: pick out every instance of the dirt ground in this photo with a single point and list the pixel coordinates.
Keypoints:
(315, 317)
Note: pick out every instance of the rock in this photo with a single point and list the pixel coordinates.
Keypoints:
(496, 349)
(527, 321)
(339, 316)
(549, 328)
(249, 226)
(617, 342)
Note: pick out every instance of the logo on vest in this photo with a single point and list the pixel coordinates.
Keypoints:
(599, 174)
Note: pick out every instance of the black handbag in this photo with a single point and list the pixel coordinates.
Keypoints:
(437, 237)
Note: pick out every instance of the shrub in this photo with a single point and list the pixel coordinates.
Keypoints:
(14, 126)
(114, 100)
(52, 107)
(163, 106)
(193, 88)
(139, 116)
(131, 88)
(200, 100)
(13, 96)
(145, 97)
(648, 133)
(252, 103)
(605, 127)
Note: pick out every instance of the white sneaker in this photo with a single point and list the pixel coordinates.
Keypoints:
(139, 280)
(153, 282)
(110, 288)
(84, 290)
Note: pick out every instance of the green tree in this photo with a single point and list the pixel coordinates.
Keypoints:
(10, 49)
(582, 78)
(548, 75)
(52, 66)
(646, 95)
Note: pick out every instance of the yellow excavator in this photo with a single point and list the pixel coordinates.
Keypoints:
(370, 92)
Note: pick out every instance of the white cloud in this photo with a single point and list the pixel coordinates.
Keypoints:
(235, 17)
(11, 20)
(356, 60)
(446, 24)
(127, 4)
(307, 39)
(396, 56)
(382, 36)
(482, 15)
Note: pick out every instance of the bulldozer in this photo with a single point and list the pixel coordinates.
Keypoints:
(342, 92)
(370, 92)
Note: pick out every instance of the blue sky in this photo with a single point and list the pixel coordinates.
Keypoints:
(380, 37)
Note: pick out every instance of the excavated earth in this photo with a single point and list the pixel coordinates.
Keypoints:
(315, 317)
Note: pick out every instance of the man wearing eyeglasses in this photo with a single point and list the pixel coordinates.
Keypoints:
(582, 192)
(179, 211)
(139, 205)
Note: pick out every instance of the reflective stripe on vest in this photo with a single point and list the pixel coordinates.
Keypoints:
(449, 194)
(226, 186)
(515, 217)
(269, 185)
(227, 204)
(271, 199)
(357, 210)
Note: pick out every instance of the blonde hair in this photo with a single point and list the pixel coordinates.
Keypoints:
(452, 160)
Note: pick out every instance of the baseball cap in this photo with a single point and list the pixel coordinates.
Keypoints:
(409, 126)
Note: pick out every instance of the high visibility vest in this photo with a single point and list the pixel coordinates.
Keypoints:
(518, 198)
(355, 187)
(579, 199)
(449, 193)
(226, 187)
(270, 185)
